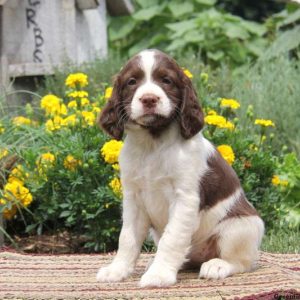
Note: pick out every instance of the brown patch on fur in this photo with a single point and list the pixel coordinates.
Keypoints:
(241, 208)
(219, 182)
(206, 251)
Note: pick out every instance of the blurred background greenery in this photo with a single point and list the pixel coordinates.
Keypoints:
(245, 50)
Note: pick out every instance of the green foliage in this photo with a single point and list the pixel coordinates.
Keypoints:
(82, 201)
(74, 196)
(177, 27)
(272, 87)
(200, 27)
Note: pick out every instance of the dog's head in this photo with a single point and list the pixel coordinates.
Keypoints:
(152, 91)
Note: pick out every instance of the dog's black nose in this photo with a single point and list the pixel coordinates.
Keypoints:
(149, 100)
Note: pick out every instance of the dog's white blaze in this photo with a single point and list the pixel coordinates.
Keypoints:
(164, 106)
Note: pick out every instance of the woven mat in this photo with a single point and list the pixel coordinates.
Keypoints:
(73, 277)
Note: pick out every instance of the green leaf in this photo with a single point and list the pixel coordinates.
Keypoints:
(292, 18)
(176, 44)
(147, 13)
(234, 31)
(216, 56)
(180, 28)
(254, 27)
(207, 2)
(287, 41)
(65, 213)
(158, 38)
(147, 3)
(120, 27)
(180, 8)
(194, 36)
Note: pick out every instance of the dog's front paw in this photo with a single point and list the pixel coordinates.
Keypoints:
(216, 268)
(158, 277)
(114, 272)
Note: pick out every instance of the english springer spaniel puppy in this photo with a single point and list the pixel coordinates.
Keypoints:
(175, 183)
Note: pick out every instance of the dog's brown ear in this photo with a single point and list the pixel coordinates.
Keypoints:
(110, 118)
(191, 117)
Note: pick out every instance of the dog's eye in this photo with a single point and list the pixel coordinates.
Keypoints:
(166, 80)
(131, 81)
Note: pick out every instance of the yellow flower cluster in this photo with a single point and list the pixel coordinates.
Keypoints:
(2, 129)
(3, 153)
(264, 123)
(111, 150)
(20, 120)
(14, 191)
(108, 92)
(227, 153)
(277, 181)
(71, 163)
(78, 94)
(218, 121)
(53, 106)
(187, 73)
(116, 186)
(76, 80)
(44, 162)
(231, 103)
(83, 102)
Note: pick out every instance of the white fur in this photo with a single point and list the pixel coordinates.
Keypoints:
(160, 178)
(164, 105)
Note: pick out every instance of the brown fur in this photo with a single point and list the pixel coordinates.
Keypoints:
(219, 182)
(186, 108)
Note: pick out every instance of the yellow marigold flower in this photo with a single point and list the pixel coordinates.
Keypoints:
(218, 121)
(63, 110)
(2, 129)
(78, 94)
(18, 174)
(3, 153)
(69, 121)
(51, 104)
(227, 153)
(72, 104)
(54, 124)
(263, 122)
(84, 101)
(111, 151)
(96, 110)
(116, 167)
(187, 73)
(116, 186)
(14, 191)
(108, 92)
(89, 117)
(19, 121)
(212, 112)
(277, 181)
(231, 103)
(8, 214)
(47, 158)
(76, 79)
(71, 162)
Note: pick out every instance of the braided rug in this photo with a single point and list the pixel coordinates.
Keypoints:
(24, 276)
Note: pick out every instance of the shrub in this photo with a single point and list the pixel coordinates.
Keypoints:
(65, 171)
(196, 26)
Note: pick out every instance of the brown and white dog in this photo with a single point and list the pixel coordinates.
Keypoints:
(175, 183)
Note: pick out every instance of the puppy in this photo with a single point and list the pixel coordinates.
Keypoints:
(175, 183)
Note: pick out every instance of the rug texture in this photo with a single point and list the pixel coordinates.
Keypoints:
(73, 277)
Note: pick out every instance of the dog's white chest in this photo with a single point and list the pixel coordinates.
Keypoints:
(155, 190)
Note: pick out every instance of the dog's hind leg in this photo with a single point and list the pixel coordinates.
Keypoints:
(239, 239)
